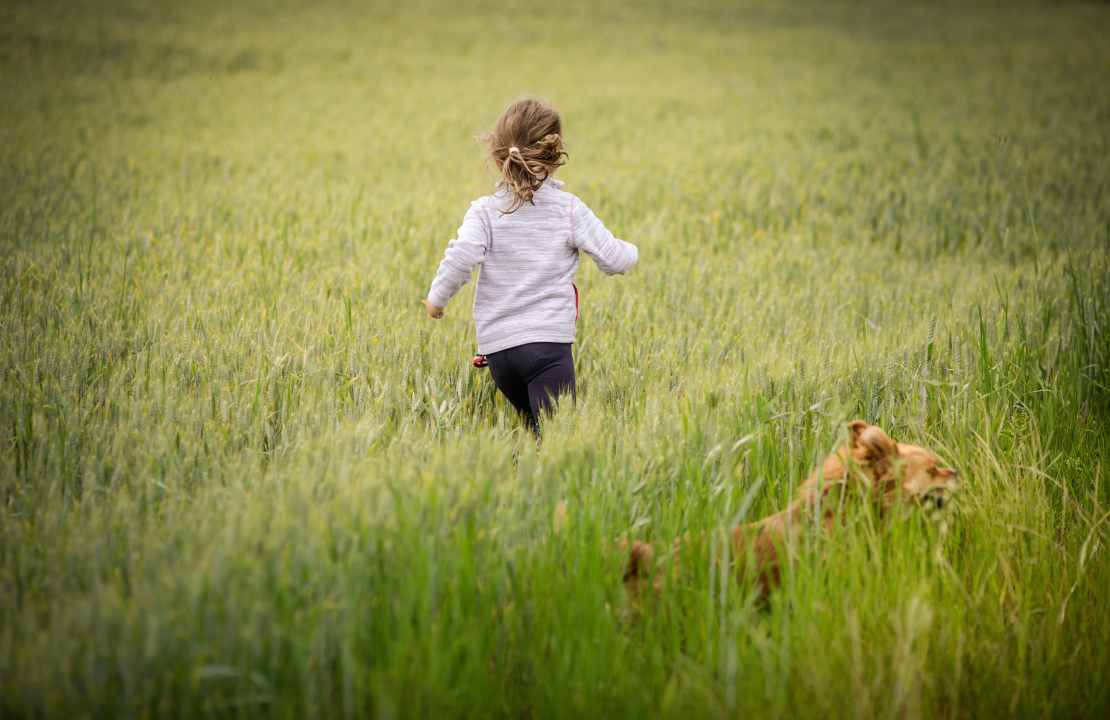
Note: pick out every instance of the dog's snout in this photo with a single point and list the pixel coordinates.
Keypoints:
(936, 498)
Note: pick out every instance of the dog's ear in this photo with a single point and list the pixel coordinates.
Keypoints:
(869, 442)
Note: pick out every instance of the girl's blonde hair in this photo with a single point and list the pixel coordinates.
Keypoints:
(527, 146)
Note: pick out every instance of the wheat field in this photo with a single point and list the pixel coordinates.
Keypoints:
(243, 475)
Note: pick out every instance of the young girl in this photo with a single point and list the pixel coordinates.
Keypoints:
(526, 236)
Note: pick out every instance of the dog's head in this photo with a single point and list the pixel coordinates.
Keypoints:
(925, 479)
(893, 471)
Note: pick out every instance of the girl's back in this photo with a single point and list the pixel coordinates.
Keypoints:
(525, 287)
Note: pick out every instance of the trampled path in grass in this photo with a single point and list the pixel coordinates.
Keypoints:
(243, 475)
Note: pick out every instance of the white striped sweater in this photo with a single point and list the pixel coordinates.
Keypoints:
(528, 259)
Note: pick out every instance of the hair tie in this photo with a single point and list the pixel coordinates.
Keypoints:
(514, 147)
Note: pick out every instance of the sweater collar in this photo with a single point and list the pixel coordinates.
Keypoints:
(549, 182)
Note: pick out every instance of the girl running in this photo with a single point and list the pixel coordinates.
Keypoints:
(527, 236)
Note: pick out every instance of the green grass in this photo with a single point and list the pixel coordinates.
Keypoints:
(242, 474)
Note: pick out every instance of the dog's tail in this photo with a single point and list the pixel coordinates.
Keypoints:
(640, 555)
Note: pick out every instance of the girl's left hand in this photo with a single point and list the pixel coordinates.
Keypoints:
(434, 311)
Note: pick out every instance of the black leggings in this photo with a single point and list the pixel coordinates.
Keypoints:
(532, 375)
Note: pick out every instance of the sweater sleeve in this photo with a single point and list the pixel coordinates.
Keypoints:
(463, 254)
(612, 255)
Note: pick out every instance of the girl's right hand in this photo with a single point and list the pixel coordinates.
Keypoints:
(434, 311)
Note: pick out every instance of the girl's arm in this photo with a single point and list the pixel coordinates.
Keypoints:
(588, 234)
(466, 251)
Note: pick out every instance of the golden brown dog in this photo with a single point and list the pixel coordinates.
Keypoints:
(870, 463)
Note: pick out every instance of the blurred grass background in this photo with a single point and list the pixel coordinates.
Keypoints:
(242, 475)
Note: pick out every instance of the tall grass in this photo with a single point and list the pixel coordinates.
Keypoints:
(242, 476)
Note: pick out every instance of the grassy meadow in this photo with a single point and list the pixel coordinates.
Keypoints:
(243, 475)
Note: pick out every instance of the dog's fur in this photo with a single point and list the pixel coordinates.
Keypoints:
(870, 464)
